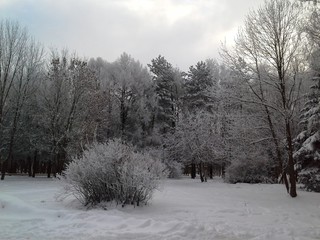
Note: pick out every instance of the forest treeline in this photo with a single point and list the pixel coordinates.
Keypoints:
(253, 117)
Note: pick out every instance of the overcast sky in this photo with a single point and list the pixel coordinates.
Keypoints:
(183, 31)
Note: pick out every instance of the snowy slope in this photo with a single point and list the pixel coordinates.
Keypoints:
(184, 209)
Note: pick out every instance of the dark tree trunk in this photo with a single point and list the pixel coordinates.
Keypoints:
(201, 173)
(285, 180)
(205, 172)
(123, 112)
(223, 170)
(4, 169)
(291, 171)
(58, 163)
(10, 158)
(12, 166)
(5, 165)
(61, 159)
(279, 169)
(49, 169)
(29, 161)
(211, 171)
(34, 167)
(12, 137)
(54, 166)
(193, 170)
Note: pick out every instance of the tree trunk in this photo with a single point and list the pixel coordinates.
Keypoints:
(285, 180)
(193, 170)
(34, 167)
(4, 169)
(58, 163)
(211, 171)
(275, 141)
(54, 166)
(223, 170)
(10, 157)
(291, 171)
(201, 173)
(29, 161)
(49, 169)
(123, 112)
(61, 159)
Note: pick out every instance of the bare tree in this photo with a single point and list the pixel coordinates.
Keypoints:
(65, 118)
(20, 63)
(266, 55)
(313, 26)
(129, 80)
(197, 142)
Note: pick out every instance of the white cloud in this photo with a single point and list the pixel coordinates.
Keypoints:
(184, 31)
(4, 3)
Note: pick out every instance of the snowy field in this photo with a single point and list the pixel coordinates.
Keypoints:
(183, 209)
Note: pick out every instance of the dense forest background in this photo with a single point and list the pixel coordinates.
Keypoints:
(251, 117)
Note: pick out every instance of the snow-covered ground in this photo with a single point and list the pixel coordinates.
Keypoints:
(184, 209)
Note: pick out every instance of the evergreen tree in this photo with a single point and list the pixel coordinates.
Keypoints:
(166, 90)
(307, 143)
(198, 87)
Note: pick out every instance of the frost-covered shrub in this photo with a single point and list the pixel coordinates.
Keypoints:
(140, 176)
(248, 171)
(114, 172)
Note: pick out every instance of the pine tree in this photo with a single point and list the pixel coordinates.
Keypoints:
(198, 88)
(166, 90)
(307, 143)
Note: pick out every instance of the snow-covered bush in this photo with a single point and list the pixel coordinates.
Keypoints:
(114, 172)
(248, 171)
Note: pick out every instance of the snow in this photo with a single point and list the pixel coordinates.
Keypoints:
(183, 209)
